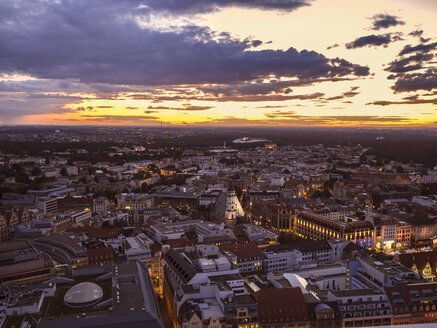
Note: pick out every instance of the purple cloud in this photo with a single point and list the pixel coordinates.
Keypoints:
(73, 40)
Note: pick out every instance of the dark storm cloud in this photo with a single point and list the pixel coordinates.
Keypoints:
(410, 63)
(417, 33)
(73, 40)
(201, 6)
(410, 100)
(421, 47)
(418, 58)
(62, 88)
(382, 21)
(236, 98)
(40, 86)
(374, 40)
(13, 106)
(425, 40)
(415, 81)
(348, 94)
(32, 95)
(262, 88)
(13, 86)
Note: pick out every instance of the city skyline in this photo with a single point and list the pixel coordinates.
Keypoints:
(223, 62)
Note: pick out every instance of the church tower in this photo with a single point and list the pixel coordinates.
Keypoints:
(231, 208)
(227, 207)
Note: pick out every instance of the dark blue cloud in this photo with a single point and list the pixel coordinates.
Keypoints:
(101, 42)
(201, 6)
(408, 64)
(417, 33)
(374, 40)
(415, 81)
(382, 21)
(424, 48)
(420, 59)
(410, 100)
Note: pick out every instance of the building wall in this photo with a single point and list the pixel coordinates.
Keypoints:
(309, 226)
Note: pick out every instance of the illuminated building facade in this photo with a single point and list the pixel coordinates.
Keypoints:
(275, 216)
(403, 234)
(134, 201)
(313, 226)
(413, 304)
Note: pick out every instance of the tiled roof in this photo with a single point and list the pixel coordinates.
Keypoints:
(243, 250)
(274, 304)
(102, 251)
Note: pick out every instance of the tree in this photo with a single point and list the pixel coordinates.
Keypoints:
(17, 167)
(191, 235)
(36, 171)
(145, 188)
(231, 161)
(238, 192)
(289, 238)
(329, 185)
(429, 188)
(177, 180)
(321, 193)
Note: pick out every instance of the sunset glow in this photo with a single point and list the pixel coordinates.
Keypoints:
(290, 62)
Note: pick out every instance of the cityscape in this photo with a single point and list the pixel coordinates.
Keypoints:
(218, 163)
(186, 227)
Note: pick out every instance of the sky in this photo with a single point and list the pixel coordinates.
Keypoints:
(219, 62)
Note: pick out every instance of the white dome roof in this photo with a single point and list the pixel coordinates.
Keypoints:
(83, 294)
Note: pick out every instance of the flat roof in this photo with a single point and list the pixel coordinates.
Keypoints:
(22, 267)
(14, 245)
(355, 292)
(125, 269)
(389, 267)
(226, 277)
(104, 320)
(131, 299)
(29, 299)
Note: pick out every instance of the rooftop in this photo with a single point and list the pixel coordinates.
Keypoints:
(84, 292)
(354, 292)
